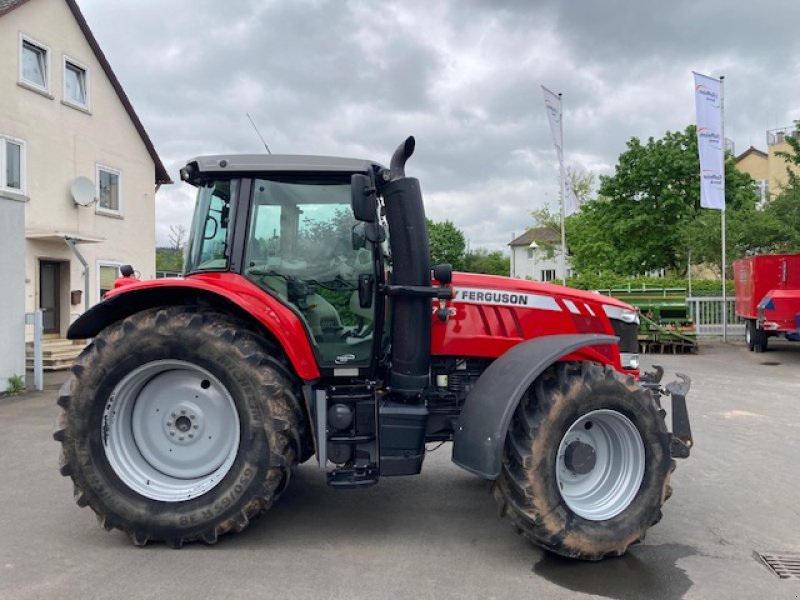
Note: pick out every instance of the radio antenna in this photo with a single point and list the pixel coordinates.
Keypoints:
(258, 133)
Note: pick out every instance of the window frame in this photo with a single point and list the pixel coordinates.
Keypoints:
(104, 263)
(543, 273)
(99, 209)
(3, 163)
(23, 38)
(76, 64)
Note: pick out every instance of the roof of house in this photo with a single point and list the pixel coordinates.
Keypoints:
(7, 5)
(748, 152)
(537, 234)
(161, 175)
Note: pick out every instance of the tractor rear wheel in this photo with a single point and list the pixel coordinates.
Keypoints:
(178, 425)
(587, 462)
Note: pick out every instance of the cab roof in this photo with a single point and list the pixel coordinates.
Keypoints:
(274, 163)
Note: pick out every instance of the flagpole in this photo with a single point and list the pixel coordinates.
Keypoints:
(724, 262)
(561, 194)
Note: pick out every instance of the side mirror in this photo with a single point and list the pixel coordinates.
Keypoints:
(363, 198)
(443, 274)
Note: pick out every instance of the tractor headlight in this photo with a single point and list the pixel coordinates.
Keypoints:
(626, 315)
(629, 360)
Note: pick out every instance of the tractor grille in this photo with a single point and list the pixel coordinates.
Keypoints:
(785, 565)
(628, 335)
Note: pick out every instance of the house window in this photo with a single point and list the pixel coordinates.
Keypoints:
(12, 165)
(107, 274)
(34, 64)
(76, 84)
(547, 274)
(761, 187)
(109, 199)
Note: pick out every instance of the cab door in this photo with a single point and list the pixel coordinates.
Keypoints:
(305, 247)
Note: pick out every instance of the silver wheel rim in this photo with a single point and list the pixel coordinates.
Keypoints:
(609, 486)
(170, 430)
(748, 334)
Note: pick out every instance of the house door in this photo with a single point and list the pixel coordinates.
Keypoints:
(50, 295)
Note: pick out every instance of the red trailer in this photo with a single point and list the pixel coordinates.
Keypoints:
(768, 297)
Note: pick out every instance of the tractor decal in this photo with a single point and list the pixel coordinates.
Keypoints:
(479, 296)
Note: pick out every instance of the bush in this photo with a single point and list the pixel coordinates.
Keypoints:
(16, 385)
(700, 287)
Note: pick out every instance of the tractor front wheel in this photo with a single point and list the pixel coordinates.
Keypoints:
(178, 425)
(587, 462)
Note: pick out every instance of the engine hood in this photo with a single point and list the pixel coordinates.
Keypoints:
(508, 284)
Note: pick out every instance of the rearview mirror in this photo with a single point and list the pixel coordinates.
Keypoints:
(363, 198)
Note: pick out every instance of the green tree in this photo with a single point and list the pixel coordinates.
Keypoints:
(447, 244)
(582, 183)
(483, 261)
(169, 259)
(785, 208)
(640, 219)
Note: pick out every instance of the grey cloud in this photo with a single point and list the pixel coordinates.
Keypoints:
(354, 78)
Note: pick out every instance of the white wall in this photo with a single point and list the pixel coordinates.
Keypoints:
(62, 143)
(12, 299)
(525, 266)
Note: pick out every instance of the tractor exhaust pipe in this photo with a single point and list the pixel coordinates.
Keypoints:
(411, 316)
(397, 168)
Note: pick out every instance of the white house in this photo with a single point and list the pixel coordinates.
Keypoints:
(65, 117)
(536, 255)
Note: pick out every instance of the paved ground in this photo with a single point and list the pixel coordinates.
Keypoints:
(437, 535)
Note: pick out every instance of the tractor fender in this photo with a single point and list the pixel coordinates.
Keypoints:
(481, 432)
(226, 293)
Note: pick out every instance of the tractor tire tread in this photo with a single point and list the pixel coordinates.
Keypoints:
(283, 420)
(551, 525)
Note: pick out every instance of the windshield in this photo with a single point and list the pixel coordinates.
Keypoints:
(208, 247)
(305, 246)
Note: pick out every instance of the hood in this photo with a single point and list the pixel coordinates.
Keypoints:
(509, 284)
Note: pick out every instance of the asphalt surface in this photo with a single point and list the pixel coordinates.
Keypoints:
(437, 535)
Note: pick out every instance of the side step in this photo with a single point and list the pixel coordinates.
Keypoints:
(347, 422)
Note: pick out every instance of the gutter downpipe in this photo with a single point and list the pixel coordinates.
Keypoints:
(71, 242)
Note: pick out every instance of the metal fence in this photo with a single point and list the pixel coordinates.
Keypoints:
(706, 314)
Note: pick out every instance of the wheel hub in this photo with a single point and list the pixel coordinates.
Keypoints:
(184, 423)
(580, 458)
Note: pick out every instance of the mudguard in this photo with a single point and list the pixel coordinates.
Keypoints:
(481, 432)
(226, 292)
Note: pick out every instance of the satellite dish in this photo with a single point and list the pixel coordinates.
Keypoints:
(82, 189)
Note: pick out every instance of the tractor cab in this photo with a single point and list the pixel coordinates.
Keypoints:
(293, 234)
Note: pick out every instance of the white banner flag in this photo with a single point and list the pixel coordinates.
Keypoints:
(552, 104)
(710, 146)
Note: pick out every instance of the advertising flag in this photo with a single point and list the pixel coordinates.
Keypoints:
(552, 104)
(710, 146)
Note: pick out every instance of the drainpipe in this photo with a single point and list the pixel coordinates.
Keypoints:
(72, 246)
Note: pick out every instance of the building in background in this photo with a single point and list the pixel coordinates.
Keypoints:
(768, 169)
(536, 255)
(65, 117)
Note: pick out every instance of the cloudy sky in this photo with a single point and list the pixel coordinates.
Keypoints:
(353, 78)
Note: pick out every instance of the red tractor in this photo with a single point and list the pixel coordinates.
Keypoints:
(310, 323)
